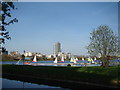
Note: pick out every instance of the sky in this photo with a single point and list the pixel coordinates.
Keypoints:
(41, 24)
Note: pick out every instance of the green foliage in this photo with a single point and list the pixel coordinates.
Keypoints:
(103, 41)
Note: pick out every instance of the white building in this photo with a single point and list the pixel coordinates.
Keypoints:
(32, 54)
(65, 55)
(28, 54)
(38, 54)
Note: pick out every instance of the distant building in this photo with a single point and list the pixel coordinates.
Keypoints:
(15, 53)
(28, 54)
(39, 54)
(69, 55)
(56, 48)
(49, 56)
(65, 55)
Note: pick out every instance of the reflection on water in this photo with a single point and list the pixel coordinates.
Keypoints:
(7, 83)
(11, 84)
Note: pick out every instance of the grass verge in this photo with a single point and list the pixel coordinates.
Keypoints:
(100, 75)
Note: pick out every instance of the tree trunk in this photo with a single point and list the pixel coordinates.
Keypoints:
(105, 61)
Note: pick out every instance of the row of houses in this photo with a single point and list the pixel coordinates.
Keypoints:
(31, 54)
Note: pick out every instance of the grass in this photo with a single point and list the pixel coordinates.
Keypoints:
(86, 74)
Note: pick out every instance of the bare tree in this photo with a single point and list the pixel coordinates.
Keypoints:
(103, 41)
(5, 8)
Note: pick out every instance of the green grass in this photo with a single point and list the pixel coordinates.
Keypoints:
(90, 74)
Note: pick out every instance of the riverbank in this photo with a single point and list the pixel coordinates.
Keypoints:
(96, 76)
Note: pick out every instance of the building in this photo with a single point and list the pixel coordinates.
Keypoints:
(49, 56)
(65, 55)
(28, 54)
(56, 48)
(15, 53)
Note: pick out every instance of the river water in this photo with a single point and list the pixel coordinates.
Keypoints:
(50, 63)
(7, 83)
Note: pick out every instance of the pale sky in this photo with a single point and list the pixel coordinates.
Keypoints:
(41, 24)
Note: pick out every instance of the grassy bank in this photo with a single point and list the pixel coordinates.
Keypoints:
(108, 76)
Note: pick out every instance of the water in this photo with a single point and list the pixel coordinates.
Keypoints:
(8, 62)
(66, 61)
(7, 83)
(50, 63)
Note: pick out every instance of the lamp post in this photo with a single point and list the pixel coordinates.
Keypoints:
(23, 58)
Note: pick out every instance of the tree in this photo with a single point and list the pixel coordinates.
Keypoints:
(6, 8)
(103, 41)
